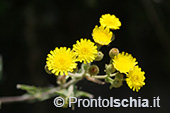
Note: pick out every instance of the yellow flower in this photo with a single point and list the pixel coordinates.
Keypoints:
(61, 60)
(85, 50)
(110, 21)
(135, 78)
(101, 35)
(124, 62)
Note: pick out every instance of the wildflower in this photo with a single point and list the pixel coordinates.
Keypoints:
(101, 35)
(135, 78)
(61, 60)
(110, 21)
(85, 50)
(124, 62)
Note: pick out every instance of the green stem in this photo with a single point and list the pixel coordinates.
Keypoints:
(78, 75)
(98, 46)
(111, 61)
(103, 76)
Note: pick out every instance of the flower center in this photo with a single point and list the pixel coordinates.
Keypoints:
(110, 22)
(61, 61)
(136, 78)
(84, 50)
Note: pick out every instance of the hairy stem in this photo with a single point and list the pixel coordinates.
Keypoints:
(103, 76)
(49, 94)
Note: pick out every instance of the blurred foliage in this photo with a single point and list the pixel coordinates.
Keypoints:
(1, 67)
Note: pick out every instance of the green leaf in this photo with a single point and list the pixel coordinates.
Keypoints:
(30, 89)
(37, 92)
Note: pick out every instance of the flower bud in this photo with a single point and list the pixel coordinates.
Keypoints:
(110, 68)
(100, 56)
(113, 52)
(47, 70)
(117, 83)
(119, 76)
(93, 70)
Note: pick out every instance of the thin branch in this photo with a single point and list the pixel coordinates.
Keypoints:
(94, 80)
(44, 95)
(103, 76)
(77, 75)
(50, 93)
(15, 99)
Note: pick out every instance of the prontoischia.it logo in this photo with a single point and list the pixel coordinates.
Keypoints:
(111, 102)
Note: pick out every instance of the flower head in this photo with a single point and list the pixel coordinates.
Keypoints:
(124, 62)
(110, 21)
(61, 60)
(85, 50)
(135, 78)
(101, 35)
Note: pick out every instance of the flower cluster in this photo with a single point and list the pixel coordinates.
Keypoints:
(63, 60)
(125, 63)
(102, 34)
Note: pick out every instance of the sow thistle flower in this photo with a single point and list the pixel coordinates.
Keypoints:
(101, 35)
(85, 50)
(61, 61)
(135, 78)
(124, 62)
(110, 21)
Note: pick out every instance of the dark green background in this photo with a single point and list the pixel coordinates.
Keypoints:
(30, 29)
